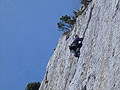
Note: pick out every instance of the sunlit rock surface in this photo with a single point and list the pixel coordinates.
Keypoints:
(98, 67)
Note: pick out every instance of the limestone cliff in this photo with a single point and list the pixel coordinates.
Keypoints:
(98, 67)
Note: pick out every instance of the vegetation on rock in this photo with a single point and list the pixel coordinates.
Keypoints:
(66, 22)
(33, 86)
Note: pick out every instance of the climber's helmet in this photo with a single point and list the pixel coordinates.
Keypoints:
(76, 35)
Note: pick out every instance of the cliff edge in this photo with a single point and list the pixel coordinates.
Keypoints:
(98, 67)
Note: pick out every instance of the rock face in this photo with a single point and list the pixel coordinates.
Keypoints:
(98, 67)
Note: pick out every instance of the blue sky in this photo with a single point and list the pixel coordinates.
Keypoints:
(28, 36)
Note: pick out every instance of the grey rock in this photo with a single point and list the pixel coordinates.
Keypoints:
(98, 67)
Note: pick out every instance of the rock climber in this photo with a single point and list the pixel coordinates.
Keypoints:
(76, 45)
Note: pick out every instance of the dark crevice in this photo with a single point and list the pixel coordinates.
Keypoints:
(74, 74)
(84, 88)
(92, 76)
(117, 8)
(90, 15)
(46, 81)
(113, 53)
(67, 80)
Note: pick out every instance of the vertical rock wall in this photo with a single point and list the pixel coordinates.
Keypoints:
(98, 67)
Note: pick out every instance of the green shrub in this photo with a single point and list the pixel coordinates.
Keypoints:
(33, 86)
(79, 12)
(66, 23)
(85, 2)
(82, 9)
